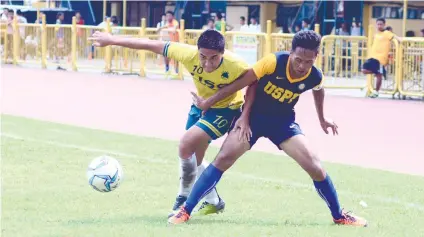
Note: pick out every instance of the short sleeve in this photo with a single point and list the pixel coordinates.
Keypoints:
(179, 52)
(265, 66)
(389, 34)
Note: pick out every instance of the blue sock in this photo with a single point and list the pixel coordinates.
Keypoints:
(167, 68)
(204, 185)
(328, 193)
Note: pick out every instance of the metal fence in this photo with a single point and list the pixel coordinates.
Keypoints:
(340, 57)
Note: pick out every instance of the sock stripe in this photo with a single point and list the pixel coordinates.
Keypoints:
(323, 197)
(208, 190)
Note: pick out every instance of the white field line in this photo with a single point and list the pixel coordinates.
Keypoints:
(82, 148)
(291, 184)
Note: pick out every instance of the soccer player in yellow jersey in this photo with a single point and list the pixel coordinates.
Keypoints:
(211, 69)
(379, 54)
(275, 84)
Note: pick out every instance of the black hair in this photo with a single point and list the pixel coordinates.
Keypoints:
(211, 20)
(307, 21)
(60, 14)
(306, 39)
(19, 12)
(211, 39)
(389, 28)
(11, 11)
(169, 12)
(410, 33)
(114, 20)
(381, 19)
(242, 18)
(219, 15)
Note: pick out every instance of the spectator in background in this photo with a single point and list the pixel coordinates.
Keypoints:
(60, 17)
(306, 24)
(296, 29)
(170, 23)
(82, 36)
(5, 15)
(343, 30)
(218, 22)
(103, 24)
(9, 31)
(114, 22)
(60, 37)
(422, 32)
(40, 18)
(162, 23)
(389, 28)
(210, 25)
(243, 25)
(356, 28)
(410, 33)
(170, 33)
(21, 20)
(80, 20)
(254, 25)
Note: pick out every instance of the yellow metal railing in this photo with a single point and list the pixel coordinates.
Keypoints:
(29, 43)
(410, 70)
(340, 57)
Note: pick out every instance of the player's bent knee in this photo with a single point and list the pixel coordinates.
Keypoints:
(223, 161)
(184, 150)
(192, 140)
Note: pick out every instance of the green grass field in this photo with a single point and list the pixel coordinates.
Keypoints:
(45, 191)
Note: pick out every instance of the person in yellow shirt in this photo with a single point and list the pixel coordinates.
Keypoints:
(212, 69)
(379, 56)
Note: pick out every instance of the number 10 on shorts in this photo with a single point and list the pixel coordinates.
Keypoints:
(220, 122)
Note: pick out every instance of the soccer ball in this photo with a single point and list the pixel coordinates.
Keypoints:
(104, 174)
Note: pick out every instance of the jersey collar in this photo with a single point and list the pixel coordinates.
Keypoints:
(294, 80)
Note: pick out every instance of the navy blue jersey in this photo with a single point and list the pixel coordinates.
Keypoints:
(277, 92)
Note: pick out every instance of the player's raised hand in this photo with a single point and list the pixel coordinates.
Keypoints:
(242, 125)
(328, 123)
(199, 102)
(101, 39)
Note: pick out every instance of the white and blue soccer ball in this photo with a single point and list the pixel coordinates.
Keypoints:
(104, 174)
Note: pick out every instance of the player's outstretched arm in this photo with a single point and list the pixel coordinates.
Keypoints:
(244, 80)
(101, 39)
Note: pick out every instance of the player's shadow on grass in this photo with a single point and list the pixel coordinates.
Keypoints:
(215, 220)
(252, 222)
